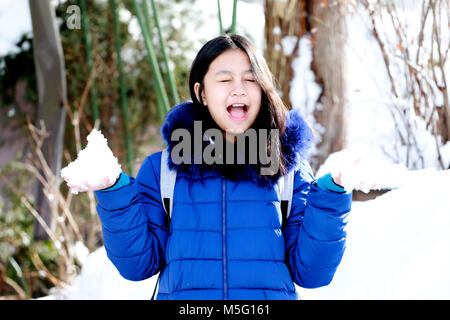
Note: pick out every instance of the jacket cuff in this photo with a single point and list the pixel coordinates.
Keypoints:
(118, 198)
(123, 180)
(327, 183)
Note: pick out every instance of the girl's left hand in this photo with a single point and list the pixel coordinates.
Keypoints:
(355, 177)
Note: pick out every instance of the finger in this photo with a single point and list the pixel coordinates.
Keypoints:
(106, 181)
(338, 178)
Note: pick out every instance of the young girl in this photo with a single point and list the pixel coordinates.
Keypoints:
(225, 238)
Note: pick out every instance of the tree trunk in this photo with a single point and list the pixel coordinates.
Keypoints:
(285, 24)
(329, 34)
(51, 82)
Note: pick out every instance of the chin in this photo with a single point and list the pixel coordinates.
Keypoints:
(238, 128)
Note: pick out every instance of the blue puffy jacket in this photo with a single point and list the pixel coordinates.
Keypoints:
(226, 239)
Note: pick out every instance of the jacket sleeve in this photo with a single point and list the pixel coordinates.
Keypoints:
(315, 231)
(134, 223)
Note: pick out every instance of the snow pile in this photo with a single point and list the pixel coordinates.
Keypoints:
(95, 166)
(100, 280)
(398, 245)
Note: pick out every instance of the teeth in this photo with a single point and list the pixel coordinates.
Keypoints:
(238, 105)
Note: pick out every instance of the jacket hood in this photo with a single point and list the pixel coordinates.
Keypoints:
(296, 141)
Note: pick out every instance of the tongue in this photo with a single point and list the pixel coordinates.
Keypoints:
(237, 112)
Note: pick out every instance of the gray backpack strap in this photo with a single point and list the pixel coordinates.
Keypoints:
(167, 182)
(286, 189)
(167, 185)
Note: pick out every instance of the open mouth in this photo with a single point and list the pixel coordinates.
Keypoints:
(238, 111)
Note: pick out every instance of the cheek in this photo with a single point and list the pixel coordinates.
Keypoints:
(212, 95)
(256, 97)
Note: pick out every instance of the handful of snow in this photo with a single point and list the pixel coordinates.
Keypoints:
(354, 180)
(356, 172)
(95, 167)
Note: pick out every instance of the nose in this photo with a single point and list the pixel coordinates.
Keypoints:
(238, 91)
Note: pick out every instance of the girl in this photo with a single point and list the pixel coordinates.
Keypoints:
(225, 239)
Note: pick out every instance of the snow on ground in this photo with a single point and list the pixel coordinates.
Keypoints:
(398, 247)
(100, 280)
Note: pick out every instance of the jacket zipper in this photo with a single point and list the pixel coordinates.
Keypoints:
(224, 241)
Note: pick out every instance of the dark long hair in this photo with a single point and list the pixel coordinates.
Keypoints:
(272, 114)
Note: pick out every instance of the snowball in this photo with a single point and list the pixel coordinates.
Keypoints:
(357, 171)
(93, 165)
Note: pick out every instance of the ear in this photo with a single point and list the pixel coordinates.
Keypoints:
(200, 97)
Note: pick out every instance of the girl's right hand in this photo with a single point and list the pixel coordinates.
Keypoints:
(86, 186)
(95, 168)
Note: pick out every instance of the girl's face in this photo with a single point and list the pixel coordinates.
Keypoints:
(230, 92)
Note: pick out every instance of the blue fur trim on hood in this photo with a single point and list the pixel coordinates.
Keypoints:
(296, 142)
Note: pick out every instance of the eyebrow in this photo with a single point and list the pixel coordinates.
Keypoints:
(229, 72)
